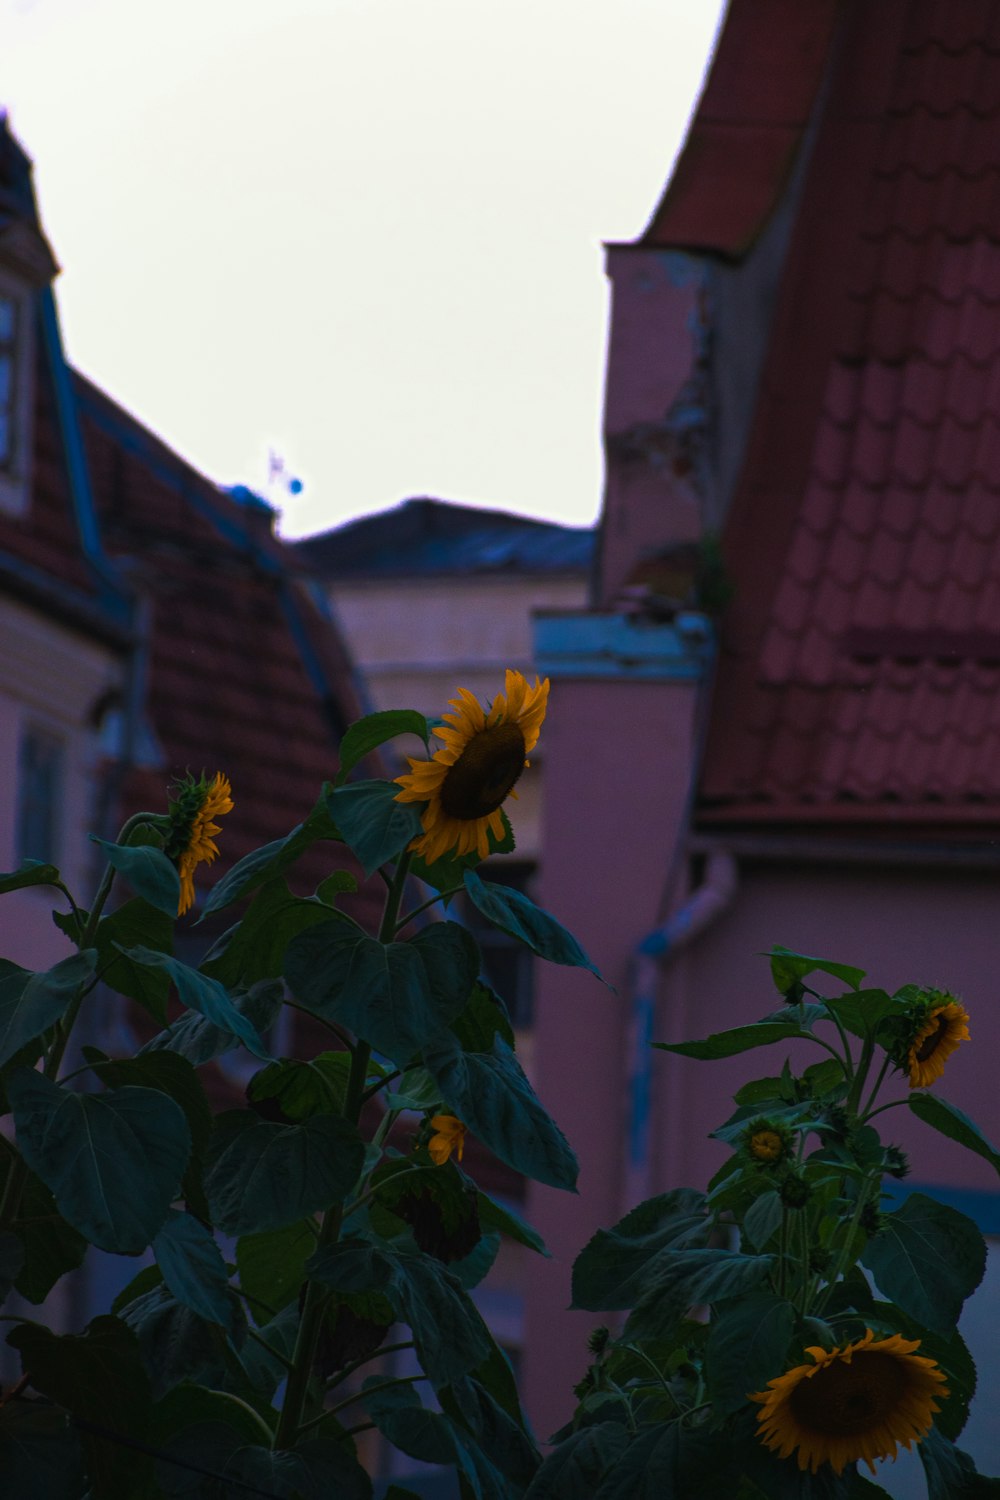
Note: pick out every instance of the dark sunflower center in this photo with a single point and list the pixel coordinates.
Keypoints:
(484, 773)
(930, 1044)
(843, 1399)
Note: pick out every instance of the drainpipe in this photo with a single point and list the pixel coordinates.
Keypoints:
(657, 948)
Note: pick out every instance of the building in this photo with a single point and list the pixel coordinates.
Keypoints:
(801, 402)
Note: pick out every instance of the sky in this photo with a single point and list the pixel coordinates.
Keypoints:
(364, 236)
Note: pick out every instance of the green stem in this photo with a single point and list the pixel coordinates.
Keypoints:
(383, 1385)
(782, 1250)
(867, 1110)
(846, 1059)
(844, 1253)
(366, 1359)
(804, 1254)
(314, 1306)
(440, 896)
(77, 913)
(274, 1353)
(893, 1104)
(853, 1100)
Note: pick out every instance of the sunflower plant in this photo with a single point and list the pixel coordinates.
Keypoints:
(281, 1251)
(784, 1330)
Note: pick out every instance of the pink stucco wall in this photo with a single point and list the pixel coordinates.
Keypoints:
(610, 814)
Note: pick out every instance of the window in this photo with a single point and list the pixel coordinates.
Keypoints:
(40, 786)
(8, 382)
(16, 356)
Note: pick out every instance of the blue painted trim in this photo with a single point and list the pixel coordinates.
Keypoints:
(624, 646)
(981, 1206)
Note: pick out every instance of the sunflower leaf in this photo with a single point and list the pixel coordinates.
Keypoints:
(616, 1266)
(739, 1039)
(686, 1278)
(260, 1175)
(928, 1258)
(271, 859)
(577, 1466)
(374, 730)
(374, 825)
(112, 1161)
(518, 916)
(148, 871)
(136, 923)
(193, 1268)
(670, 1459)
(204, 994)
(30, 872)
(491, 1095)
(30, 1003)
(255, 949)
(199, 1039)
(787, 968)
(950, 1473)
(954, 1123)
(747, 1342)
(397, 996)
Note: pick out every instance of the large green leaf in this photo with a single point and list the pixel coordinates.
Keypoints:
(30, 872)
(375, 729)
(40, 1456)
(740, 1039)
(112, 1161)
(295, 1090)
(256, 947)
(747, 1344)
(576, 1467)
(955, 1124)
(484, 1017)
(193, 1268)
(450, 1336)
(354, 1265)
(260, 1175)
(51, 1246)
(496, 1422)
(98, 1376)
(951, 1474)
(396, 995)
(167, 1071)
(494, 1215)
(401, 1416)
(199, 1040)
(31, 1003)
(862, 1011)
(518, 916)
(489, 1092)
(617, 1265)
(928, 1258)
(671, 1462)
(148, 871)
(175, 1343)
(688, 1278)
(374, 825)
(205, 995)
(787, 968)
(251, 871)
(136, 924)
(271, 1266)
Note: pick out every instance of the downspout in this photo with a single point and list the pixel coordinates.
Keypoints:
(712, 898)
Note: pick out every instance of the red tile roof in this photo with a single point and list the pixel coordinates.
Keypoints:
(246, 675)
(860, 676)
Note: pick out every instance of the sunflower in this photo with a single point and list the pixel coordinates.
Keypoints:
(766, 1141)
(191, 840)
(449, 1136)
(859, 1402)
(465, 783)
(944, 1027)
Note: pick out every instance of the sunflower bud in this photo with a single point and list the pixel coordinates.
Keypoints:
(766, 1142)
(795, 1191)
(897, 1163)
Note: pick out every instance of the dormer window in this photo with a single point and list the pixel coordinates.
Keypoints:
(15, 393)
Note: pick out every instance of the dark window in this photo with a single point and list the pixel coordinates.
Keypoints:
(39, 808)
(8, 352)
(508, 967)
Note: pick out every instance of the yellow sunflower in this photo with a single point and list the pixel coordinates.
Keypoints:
(449, 1136)
(191, 841)
(859, 1402)
(944, 1029)
(466, 782)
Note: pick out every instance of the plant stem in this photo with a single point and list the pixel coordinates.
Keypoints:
(382, 1386)
(317, 1296)
(866, 1111)
(366, 1359)
(440, 896)
(843, 1255)
(853, 1100)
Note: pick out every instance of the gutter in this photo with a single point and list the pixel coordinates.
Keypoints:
(702, 908)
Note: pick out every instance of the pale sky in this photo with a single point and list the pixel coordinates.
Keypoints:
(365, 234)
